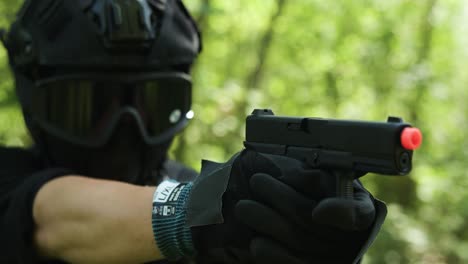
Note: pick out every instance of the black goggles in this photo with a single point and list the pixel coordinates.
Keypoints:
(85, 109)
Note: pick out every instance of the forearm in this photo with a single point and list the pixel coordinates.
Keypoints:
(84, 220)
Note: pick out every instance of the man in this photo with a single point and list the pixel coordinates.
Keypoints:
(104, 86)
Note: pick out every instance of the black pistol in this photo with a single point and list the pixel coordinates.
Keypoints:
(347, 148)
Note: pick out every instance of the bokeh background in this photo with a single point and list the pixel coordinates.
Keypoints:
(361, 59)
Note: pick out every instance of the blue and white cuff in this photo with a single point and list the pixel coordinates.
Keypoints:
(171, 232)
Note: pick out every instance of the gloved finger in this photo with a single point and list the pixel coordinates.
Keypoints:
(282, 198)
(246, 164)
(290, 204)
(251, 162)
(347, 214)
(314, 183)
(266, 251)
(266, 221)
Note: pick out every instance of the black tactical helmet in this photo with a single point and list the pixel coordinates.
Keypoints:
(62, 51)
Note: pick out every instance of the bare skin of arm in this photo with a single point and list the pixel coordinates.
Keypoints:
(85, 220)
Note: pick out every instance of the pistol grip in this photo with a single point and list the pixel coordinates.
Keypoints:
(344, 184)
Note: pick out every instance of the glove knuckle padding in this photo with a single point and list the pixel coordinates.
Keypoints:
(269, 223)
(251, 162)
(281, 197)
(312, 182)
(255, 214)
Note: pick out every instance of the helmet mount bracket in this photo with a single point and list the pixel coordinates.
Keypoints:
(126, 25)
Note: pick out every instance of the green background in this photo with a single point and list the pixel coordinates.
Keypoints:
(334, 59)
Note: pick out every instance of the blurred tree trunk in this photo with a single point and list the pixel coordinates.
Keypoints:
(253, 79)
(203, 14)
(255, 75)
(202, 20)
(423, 60)
(7, 15)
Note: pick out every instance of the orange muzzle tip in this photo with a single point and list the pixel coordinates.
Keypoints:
(411, 138)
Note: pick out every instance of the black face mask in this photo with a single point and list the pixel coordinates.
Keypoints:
(125, 157)
(111, 126)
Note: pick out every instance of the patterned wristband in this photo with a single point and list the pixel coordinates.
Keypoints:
(171, 233)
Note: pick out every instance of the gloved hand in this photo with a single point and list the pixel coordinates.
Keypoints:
(250, 205)
(298, 219)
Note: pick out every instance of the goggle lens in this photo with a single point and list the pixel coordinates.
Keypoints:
(87, 109)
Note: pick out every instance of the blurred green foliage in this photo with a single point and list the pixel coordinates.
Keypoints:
(363, 59)
(12, 129)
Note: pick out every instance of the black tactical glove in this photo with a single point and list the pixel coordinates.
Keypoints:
(227, 221)
(300, 219)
